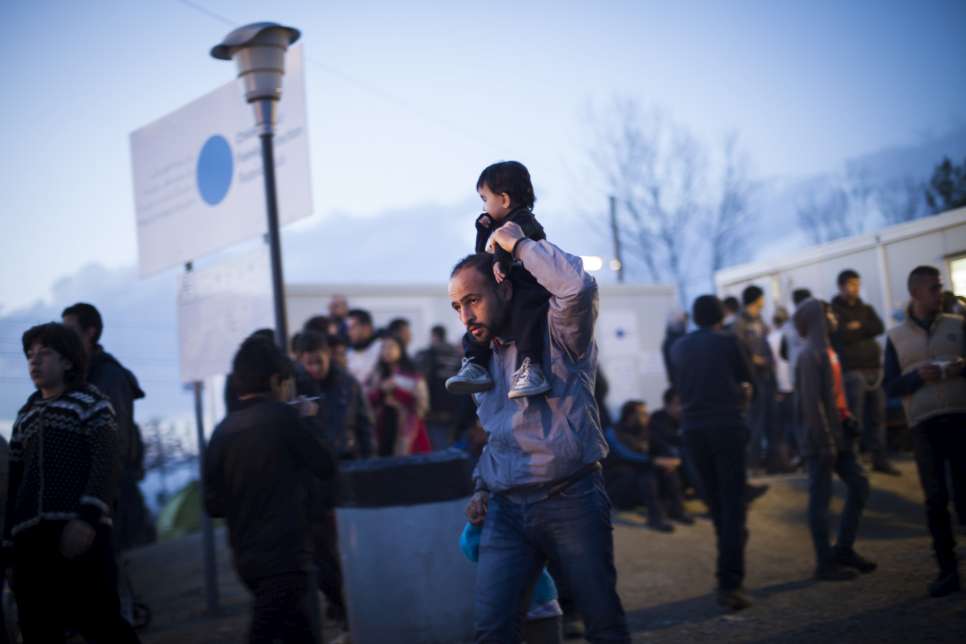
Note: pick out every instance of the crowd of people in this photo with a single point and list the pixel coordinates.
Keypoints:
(525, 398)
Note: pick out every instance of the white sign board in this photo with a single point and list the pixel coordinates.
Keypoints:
(198, 182)
(218, 307)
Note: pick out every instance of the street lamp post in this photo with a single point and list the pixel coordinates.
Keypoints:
(259, 51)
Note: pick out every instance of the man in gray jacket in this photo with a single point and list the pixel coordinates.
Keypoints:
(540, 495)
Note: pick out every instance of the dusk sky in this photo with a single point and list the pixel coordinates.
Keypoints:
(408, 101)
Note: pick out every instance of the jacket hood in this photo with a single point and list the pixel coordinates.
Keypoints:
(811, 324)
(100, 355)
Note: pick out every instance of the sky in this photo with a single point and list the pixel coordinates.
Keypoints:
(407, 102)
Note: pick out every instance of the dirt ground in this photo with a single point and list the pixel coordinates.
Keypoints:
(666, 580)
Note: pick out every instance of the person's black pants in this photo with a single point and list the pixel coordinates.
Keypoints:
(54, 593)
(940, 448)
(328, 567)
(528, 319)
(718, 457)
(283, 609)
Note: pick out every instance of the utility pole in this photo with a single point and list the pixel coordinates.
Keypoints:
(618, 263)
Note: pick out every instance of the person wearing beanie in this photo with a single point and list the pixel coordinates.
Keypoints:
(713, 378)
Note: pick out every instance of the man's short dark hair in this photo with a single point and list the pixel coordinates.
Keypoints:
(481, 262)
(361, 316)
(730, 304)
(920, 273)
(66, 342)
(309, 342)
(439, 332)
(256, 361)
(628, 409)
(669, 394)
(751, 294)
(317, 323)
(707, 311)
(511, 177)
(799, 295)
(87, 316)
(845, 276)
(336, 341)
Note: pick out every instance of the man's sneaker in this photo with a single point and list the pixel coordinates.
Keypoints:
(885, 467)
(659, 525)
(528, 380)
(851, 559)
(831, 571)
(753, 492)
(734, 599)
(946, 583)
(471, 379)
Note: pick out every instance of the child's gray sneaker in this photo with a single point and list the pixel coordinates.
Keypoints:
(471, 379)
(528, 380)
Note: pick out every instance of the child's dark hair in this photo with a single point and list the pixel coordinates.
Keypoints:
(511, 177)
(257, 360)
(66, 343)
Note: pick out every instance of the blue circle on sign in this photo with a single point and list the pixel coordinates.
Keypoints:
(215, 169)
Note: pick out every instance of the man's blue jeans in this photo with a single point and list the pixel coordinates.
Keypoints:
(867, 402)
(848, 469)
(572, 530)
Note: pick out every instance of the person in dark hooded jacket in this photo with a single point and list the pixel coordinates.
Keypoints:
(828, 447)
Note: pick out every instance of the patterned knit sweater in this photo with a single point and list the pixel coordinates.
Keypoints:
(62, 461)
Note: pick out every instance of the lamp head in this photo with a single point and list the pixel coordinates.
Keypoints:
(259, 51)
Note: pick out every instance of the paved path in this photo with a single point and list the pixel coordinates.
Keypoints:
(666, 580)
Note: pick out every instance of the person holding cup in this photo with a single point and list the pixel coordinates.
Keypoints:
(924, 365)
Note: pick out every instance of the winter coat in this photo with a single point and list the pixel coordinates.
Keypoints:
(121, 386)
(709, 368)
(344, 417)
(814, 385)
(255, 476)
(63, 455)
(857, 348)
(521, 217)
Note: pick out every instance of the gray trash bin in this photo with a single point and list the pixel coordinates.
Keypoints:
(399, 522)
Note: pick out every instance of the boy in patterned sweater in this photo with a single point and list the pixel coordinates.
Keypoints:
(61, 485)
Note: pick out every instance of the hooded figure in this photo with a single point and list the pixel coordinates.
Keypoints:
(815, 385)
(827, 448)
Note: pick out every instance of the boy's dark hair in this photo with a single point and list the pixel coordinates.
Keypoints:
(439, 332)
(669, 394)
(920, 272)
(511, 177)
(627, 409)
(707, 311)
(751, 294)
(256, 361)
(317, 323)
(730, 304)
(482, 262)
(396, 324)
(294, 341)
(361, 316)
(309, 342)
(87, 316)
(799, 295)
(66, 342)
(265, 334)
(845, 276)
